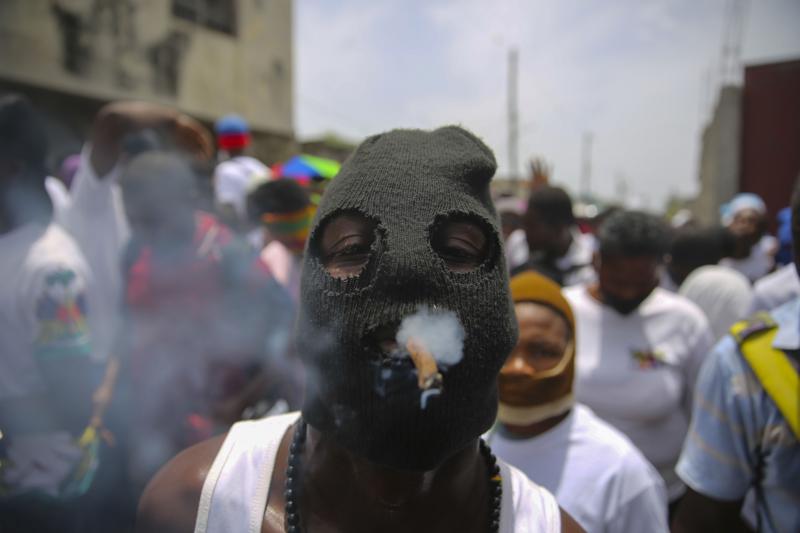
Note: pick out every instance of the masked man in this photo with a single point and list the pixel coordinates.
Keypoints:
(639, 347)
(388, 439)
(595, 472)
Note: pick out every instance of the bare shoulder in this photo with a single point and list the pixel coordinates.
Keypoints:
(568, 524)
(169, 503)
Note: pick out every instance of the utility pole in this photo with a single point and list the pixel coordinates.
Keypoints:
(621, 188)
(513, 115)
(586, 167)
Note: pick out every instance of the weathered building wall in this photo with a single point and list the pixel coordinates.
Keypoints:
(74, 55)
(719, 157)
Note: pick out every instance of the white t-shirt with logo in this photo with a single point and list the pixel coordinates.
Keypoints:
(43, 283)
(596, 474)
(234, 178)
(637, 371)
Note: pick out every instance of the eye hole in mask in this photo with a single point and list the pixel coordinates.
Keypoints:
(345, 244)
(463, 242)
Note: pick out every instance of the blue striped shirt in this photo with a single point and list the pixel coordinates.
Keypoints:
(736, 427)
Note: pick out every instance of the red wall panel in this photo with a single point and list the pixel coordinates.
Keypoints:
(771, 132)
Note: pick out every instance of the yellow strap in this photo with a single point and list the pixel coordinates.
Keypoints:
(775, 373)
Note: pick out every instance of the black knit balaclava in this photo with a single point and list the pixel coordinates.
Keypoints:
(408, 182)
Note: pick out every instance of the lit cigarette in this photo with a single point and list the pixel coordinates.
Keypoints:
(427, 371)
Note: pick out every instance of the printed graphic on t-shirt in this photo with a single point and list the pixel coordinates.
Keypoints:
(648, 359)
(61, 314)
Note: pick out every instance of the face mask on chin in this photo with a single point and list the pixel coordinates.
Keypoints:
(525, 416)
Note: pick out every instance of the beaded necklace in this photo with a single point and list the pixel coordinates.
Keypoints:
(292, 512)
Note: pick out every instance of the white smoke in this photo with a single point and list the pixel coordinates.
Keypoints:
(439, 331)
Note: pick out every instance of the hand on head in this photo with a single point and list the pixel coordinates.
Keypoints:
(117, 120)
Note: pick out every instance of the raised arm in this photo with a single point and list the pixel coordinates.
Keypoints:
(118, 119)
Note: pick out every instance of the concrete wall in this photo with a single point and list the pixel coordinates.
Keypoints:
(720, 157)
(95, 51)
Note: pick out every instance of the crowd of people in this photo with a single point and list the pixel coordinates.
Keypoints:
(192, 342)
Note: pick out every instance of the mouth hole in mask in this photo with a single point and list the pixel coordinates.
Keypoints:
(464, 242)
(344, 244)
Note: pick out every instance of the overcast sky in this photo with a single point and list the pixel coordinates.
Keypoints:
(640, 75)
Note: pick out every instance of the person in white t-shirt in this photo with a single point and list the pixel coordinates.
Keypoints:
(594, 471)
(238, 173)
(46, 378)
(639, 347)
(556, 247)
(754, 250)
(723, 294)
(690, 248)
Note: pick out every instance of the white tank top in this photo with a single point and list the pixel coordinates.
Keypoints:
(235, 491)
